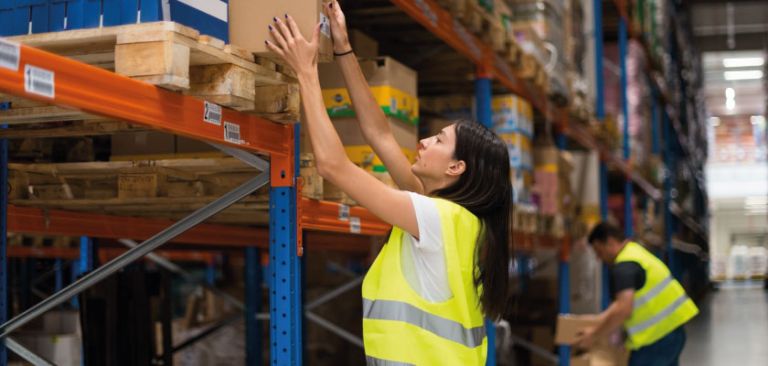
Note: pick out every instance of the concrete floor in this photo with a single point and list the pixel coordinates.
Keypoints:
(731, 329)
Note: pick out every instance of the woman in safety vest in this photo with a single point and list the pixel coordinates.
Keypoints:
(445, 266)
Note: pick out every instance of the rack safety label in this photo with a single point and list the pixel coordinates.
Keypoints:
(343, 212)
(354, 225)
(39, 81)
(325, 25)
(232, 133)
(10, 53)
(212, 113)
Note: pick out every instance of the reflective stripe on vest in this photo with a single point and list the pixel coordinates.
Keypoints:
(658, 317)
(640, 301)
(373, 361)
(445, 328)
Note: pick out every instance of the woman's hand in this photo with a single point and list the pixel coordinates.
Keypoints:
(338, 27)
(291, 46)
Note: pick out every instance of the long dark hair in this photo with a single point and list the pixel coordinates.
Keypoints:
(485, 190)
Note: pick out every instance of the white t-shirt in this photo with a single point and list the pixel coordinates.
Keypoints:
(423, 260)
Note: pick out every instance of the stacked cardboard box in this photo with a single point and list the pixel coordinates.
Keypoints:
(394, 87)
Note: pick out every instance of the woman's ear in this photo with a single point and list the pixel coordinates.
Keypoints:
(456, 168)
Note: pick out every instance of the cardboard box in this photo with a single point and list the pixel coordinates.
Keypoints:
(393, 84)
(364, 46)
(248, 21)
(349, 131)
(603, 353)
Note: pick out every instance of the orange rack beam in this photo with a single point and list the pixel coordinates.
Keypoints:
(335, 217)
(69, 83)
(440, 23)
(66, 223)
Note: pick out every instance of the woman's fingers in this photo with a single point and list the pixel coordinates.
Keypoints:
(272, 47)
(284, 31)
(293, 27)
(277, 35)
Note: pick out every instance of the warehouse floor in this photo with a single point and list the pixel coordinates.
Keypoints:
(731, 329)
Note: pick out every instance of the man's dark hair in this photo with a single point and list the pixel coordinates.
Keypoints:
(604, 230)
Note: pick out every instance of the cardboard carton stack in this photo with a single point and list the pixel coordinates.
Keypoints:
(394, 87)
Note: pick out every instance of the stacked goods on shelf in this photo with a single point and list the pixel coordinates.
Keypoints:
(55, 336)
(649, 17)
(533, 57)
(171, 56)
(481, 18)
(577, 64)
(546, 19)
(513, 122)
(42, 16)
(249, 20)
(394, 87)
(453, 107)
(639, 106)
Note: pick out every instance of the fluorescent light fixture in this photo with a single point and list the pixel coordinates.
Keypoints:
(743, 75)
(730, 104)
(714, 121)
(730, 93)
(757, 120)
(743, 62)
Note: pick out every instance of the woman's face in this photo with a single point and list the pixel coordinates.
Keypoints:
(435, 160)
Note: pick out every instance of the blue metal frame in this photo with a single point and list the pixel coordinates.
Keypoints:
(628, 230)
(564, 280)
(483, 101)
(597, 25)
(3, 237)
(286, 308)
(253, 280)
(483, 95)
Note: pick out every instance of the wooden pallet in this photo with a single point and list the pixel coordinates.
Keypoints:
(173, 57)
(152, 188)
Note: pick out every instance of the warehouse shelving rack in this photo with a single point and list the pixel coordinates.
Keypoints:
(101, 92)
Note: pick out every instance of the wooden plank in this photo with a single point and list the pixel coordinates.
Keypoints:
(73, 129)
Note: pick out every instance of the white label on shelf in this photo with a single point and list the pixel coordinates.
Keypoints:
(232, 133)
(10, 53)
(325, 25)
(343, 212)
(212, 113)
(39, 81)
(354, 225)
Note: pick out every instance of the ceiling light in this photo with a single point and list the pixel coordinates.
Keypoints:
(743, 75)
(730, 104)
(730, 93)
(757, 120)
(743, 62)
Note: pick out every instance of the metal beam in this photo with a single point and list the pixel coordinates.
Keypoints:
(132, 255)
(26, 354)
(176, 269)
(335, 329)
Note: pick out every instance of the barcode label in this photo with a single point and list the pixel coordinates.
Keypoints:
(9, 55)
(343, 212)
(325, 25)
(354, 225)
(232, 133)
(212, 114)
(39, 81)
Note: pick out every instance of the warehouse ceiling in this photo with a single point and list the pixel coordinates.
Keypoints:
(733, 39)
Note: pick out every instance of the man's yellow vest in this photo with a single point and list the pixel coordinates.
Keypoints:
(402, 328)
(660, 306)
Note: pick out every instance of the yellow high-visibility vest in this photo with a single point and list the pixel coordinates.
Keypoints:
(660, 306)
(402, 328)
